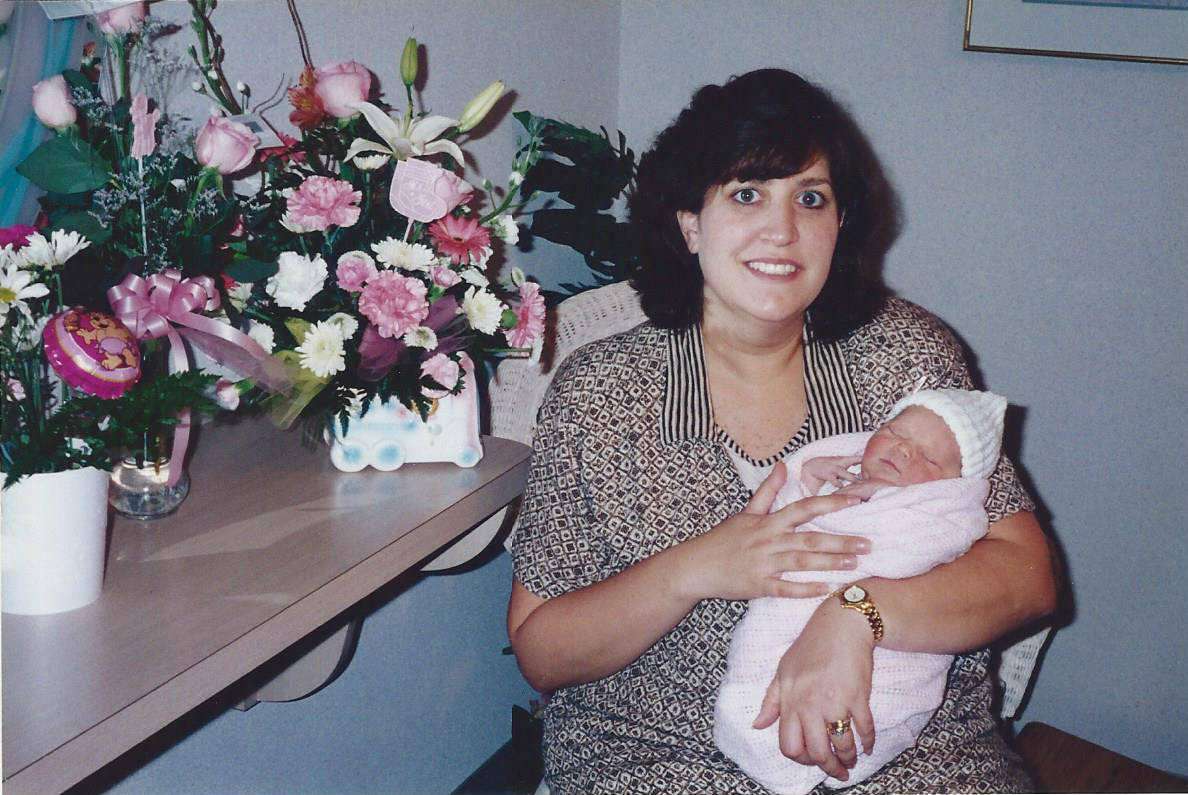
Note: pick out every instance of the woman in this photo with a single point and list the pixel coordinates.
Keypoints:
(637, 543)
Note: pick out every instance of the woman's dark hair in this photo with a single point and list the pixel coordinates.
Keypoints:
(765, 124)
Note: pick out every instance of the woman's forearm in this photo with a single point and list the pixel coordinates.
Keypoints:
(1003, 582)
(595, 631)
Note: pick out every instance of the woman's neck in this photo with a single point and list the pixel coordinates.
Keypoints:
(753, 351)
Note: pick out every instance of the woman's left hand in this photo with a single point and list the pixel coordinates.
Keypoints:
(824, 677)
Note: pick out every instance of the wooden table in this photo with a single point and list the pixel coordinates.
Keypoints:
(271, 544)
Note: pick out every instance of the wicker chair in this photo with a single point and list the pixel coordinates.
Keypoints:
(519, 386)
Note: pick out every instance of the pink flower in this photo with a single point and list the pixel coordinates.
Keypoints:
(121, 20)
(462, 239)
(530, 317)
(227, 394)
(444, 277)
(354, 268)
(144, 125)
(225, 145)
(394, 303)
(51, 103)
(16, 235)
(340, 84)
(307, 107)
(322, 202)
(444, 371)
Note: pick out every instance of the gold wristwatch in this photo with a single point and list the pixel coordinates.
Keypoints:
(855, 597)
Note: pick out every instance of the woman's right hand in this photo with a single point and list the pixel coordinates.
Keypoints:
(744, 556)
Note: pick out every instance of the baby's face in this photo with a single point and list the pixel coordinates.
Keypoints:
(914, 447)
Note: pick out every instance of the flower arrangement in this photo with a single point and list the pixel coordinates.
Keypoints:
(364, 258)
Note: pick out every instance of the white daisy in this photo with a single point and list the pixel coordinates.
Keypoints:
(421, 337)
(347, 323)
(371, 162)
(405, 256)
(53, 253)
(322, 351)
(16, 286)
(483, 310)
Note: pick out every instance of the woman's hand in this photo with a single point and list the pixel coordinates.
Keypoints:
(744, 556)
(824, 677)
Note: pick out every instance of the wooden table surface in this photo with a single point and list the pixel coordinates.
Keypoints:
(272, 543)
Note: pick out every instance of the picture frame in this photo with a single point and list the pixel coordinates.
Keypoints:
(1146, 31)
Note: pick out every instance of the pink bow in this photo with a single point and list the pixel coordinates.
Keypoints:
(166, 305)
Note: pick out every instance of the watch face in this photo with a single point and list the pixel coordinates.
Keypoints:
(855, 593)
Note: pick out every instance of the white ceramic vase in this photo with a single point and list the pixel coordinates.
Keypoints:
(53, 533)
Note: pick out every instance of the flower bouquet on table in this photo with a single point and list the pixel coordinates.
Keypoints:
(364, 271)
(149, 199)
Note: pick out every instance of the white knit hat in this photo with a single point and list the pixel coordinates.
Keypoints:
(975, 418)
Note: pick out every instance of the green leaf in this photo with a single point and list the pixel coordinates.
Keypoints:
(247, 270)
(65, 164)
(85, 224)
(298, 328)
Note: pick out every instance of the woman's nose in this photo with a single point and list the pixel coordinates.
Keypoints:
(780, 224)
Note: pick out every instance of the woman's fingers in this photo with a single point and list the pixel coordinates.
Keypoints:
(844, 747)
(764, 496)
(863, 726)
(769, 710)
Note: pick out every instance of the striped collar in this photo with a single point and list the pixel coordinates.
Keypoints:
(687, 410)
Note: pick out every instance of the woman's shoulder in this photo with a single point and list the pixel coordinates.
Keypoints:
(635, 355)
(899, 323)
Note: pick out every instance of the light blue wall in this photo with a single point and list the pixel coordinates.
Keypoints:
(1046, 218)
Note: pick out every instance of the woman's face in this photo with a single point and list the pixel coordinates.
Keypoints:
(765, 246)
(914, 447)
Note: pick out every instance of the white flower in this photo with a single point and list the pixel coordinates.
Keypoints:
(476, 277)
(322, 351)
(421, 337)
(405, 256)
(53, 253)
(483, 310)
(297, 280)
(348, 324)
(505, 229)
(239, 294)
(483, 257)
(515, 179)
(16, 286)
(288, 223)
(371, 162)
(404, 137)
(263, 334)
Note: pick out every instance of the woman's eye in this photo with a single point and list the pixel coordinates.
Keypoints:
(813, 199)
(746, 195)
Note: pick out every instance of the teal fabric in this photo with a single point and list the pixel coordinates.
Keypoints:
(13, 187)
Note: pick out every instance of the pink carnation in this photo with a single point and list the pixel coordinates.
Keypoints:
(322, 202)
(443, 370)
(394, 303)
(530, 317)
(354, 268)
(16, 235)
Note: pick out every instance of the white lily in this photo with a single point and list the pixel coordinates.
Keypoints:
(404, 137)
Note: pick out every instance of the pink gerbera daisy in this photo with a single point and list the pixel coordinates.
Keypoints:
(462, 239)
(530, 317)
(394, 303)
(322, 202)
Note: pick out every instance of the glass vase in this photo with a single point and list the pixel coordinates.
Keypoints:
(140, 483)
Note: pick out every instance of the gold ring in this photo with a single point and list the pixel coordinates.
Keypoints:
(838, 727)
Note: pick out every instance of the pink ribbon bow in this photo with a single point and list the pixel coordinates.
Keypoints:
(166, 305)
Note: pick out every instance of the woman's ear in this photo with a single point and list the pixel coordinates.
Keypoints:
(688, 222)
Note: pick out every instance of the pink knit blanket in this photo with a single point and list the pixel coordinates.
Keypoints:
(912, 529)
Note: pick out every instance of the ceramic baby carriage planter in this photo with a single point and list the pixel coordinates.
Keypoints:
(390, 434)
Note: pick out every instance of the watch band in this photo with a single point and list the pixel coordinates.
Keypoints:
(855, 597)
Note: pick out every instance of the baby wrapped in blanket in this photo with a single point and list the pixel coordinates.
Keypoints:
(923, 476)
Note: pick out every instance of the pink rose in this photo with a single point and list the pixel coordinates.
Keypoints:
(322, 202)
(227, 394)
(51, 103)
(125, 19)
(394, 303)
(339, 84)
(443, 370)
(225, 145)
(530, 317)
(444, 277)
(354, 268)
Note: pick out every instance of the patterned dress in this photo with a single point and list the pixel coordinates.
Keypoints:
(627, 461)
